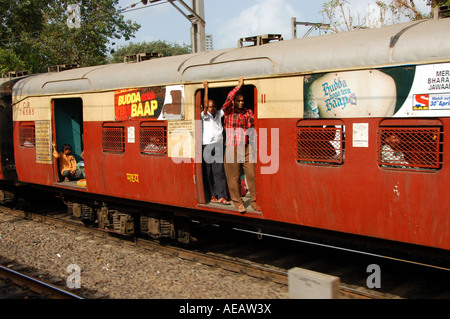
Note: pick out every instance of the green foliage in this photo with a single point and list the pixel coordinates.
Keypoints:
(36, 32)
(162, 47)
(438, 3)
(9, 61)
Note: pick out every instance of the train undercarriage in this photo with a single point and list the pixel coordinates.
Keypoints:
(111, 216)
(156, 225)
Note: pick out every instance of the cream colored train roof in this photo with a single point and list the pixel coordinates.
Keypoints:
(423, 41)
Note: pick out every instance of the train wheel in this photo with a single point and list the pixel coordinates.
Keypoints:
(165, 227)
(184, 231)
(115, 221)
(157, 227)
(6, 197)
(87, 215)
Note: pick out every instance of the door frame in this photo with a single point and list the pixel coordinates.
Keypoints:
(250, 88)
(75, 135)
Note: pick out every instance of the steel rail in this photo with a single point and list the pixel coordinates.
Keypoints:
(346, 249)
(38, 286)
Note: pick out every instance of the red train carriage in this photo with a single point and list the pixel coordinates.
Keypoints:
(350, 129)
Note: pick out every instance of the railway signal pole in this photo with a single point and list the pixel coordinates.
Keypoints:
(196, 15)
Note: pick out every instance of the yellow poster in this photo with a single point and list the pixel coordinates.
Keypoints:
(43, 142)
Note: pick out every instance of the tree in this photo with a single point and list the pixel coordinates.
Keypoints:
(9, 61)
(38, 34)
(438, 3)
(337, 13)
(162, 47)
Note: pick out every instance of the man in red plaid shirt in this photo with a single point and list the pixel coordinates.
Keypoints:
(240, 147)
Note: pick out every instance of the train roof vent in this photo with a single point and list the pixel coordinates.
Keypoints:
(62, 67)
(260, 39)
(140, 57)
(15, 74)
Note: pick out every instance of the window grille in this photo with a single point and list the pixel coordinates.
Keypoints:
(113, 140)
(153, 140)
(320, 144)
(27, 137)
(406, 147)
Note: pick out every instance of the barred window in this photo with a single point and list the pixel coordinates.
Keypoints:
(153, 140)
(113, 139)
(410, 147)
(27, 137)
(320, 144)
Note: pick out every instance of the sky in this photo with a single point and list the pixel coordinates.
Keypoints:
(229, 20)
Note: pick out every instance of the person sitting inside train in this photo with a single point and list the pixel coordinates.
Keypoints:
(391, 151)
(67, 163)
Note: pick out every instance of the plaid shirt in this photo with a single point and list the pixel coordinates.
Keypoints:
(237, 122)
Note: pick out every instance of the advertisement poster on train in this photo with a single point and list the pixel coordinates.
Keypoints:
(430, 92)
(408, 91)
(157, 103)
(173, 103)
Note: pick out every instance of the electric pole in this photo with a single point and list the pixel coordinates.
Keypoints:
(196, 15)
(198, 36)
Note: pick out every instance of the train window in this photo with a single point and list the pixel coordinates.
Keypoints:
(27, 137)
(410, 147)
(320, 143)
(113, 139)
(153, 139)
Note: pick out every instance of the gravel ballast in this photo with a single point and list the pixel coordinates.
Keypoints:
(113, 269)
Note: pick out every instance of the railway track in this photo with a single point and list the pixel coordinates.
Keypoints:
(265, 259)
(17, 285)
(400, 278)
(257, 270)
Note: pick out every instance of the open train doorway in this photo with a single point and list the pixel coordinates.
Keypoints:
(68, 130)
(204, 189)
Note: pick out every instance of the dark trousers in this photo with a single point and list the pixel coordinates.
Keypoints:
(74, 177)
(215, 179)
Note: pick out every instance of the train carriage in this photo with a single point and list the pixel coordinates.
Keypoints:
(325, 111)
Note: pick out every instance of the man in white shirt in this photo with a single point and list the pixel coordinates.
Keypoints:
(213, 149)
(391, 151)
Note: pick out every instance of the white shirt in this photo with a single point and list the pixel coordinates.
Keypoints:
(388, 155)
(212, 127)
